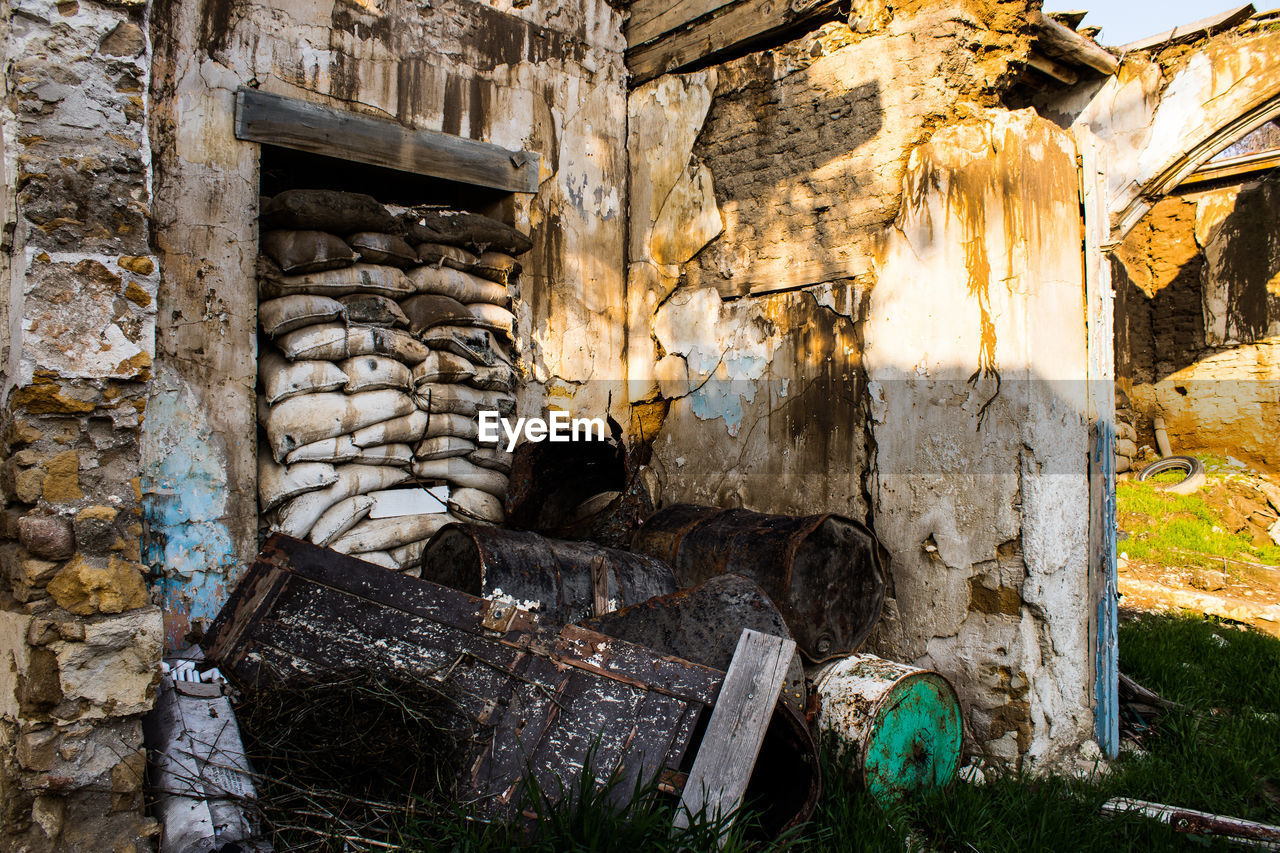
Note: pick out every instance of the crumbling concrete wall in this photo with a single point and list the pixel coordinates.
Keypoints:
(78, 633)
(882, 233)
(1200, 315)
(543, 76)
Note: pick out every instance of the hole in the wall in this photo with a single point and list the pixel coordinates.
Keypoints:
(1181, 390)
(375, 338)
(286, 169)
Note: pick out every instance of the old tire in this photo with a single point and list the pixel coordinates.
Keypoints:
(1190, 483)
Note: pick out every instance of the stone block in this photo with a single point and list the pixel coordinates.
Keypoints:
(95, 530)
(62, 478)
(85, 589)
(28, 485)
(127, 39)
(113, 672)
(37, 750)
(47, 536)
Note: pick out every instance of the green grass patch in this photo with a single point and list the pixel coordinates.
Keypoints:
(1182, 530)
(1220, 752)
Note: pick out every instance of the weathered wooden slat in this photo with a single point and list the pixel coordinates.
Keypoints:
(737, 727)
(651, 18)
(661, 740)
(1204, 26)
(743, 24)
(304, 126)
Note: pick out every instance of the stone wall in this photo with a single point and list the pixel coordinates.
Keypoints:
(1198, 316)
(79, 634)
(541, 76)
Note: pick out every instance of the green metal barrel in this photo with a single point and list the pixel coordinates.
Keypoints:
(900, 723)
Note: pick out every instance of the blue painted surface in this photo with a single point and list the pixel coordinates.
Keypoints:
(184, 498)
(1107, 665)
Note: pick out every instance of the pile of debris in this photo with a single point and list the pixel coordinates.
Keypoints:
(540, 656)
(386, 331)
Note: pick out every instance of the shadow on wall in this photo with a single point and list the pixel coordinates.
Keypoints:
(1198, 318)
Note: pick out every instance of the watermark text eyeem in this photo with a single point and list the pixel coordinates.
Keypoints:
(558, 426)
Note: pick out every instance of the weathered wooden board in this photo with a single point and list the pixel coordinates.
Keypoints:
(546, 699)
(732, 26)
(651, 18)
(302, 125)
(737, 727)
(1204, 26)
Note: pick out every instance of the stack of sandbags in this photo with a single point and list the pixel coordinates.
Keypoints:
(388, 331)
(1126, 446)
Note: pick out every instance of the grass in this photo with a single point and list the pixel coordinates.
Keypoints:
(1188, 530)
(1220, 752)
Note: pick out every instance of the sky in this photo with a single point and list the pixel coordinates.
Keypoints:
(1123, 21)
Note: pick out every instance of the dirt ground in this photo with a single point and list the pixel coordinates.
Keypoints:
(1214, 552)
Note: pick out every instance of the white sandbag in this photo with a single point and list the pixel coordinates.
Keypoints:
(443, 447)
(287, 313)
(462, 286)
(373, 373)
(494, 318)
(337, 342)
(410, 555)
(297, 252)
(381, 534)
(381, 248)
(460, 426)
(298, 516)
(282, 379)
(473, 503)
(401, 429)
(478, 346)
(496, 266)
(442, 366)
(451, 256)
(427, 310)
(386, 454)
(277, 483)
(312, 417)
(462, 400)
(358, 278)
(371, 310)
(336, 450)
(382, 559)
(323, 341)
(492, 457)
(340, 518)
(263, 409)
(496, 378)
(459, 472)
(376, 340)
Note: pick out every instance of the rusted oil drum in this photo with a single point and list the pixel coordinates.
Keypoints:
(900, 723)
(562, 581)
(822, 571)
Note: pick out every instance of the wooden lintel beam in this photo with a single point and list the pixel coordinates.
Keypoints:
(304, 126)
(732, 25)
(1066, 44)
(1049, 68)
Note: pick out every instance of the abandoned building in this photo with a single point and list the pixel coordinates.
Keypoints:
(892, 261)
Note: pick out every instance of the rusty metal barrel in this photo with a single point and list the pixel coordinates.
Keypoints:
(822, 571)
(900, 725)
(562, 581)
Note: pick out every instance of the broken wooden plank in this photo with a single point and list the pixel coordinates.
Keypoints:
(1204, 26)
(1055, 70)
(1066, 44)
(304, 126)
(736, 731)
(741, 25)
(1191, 821)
